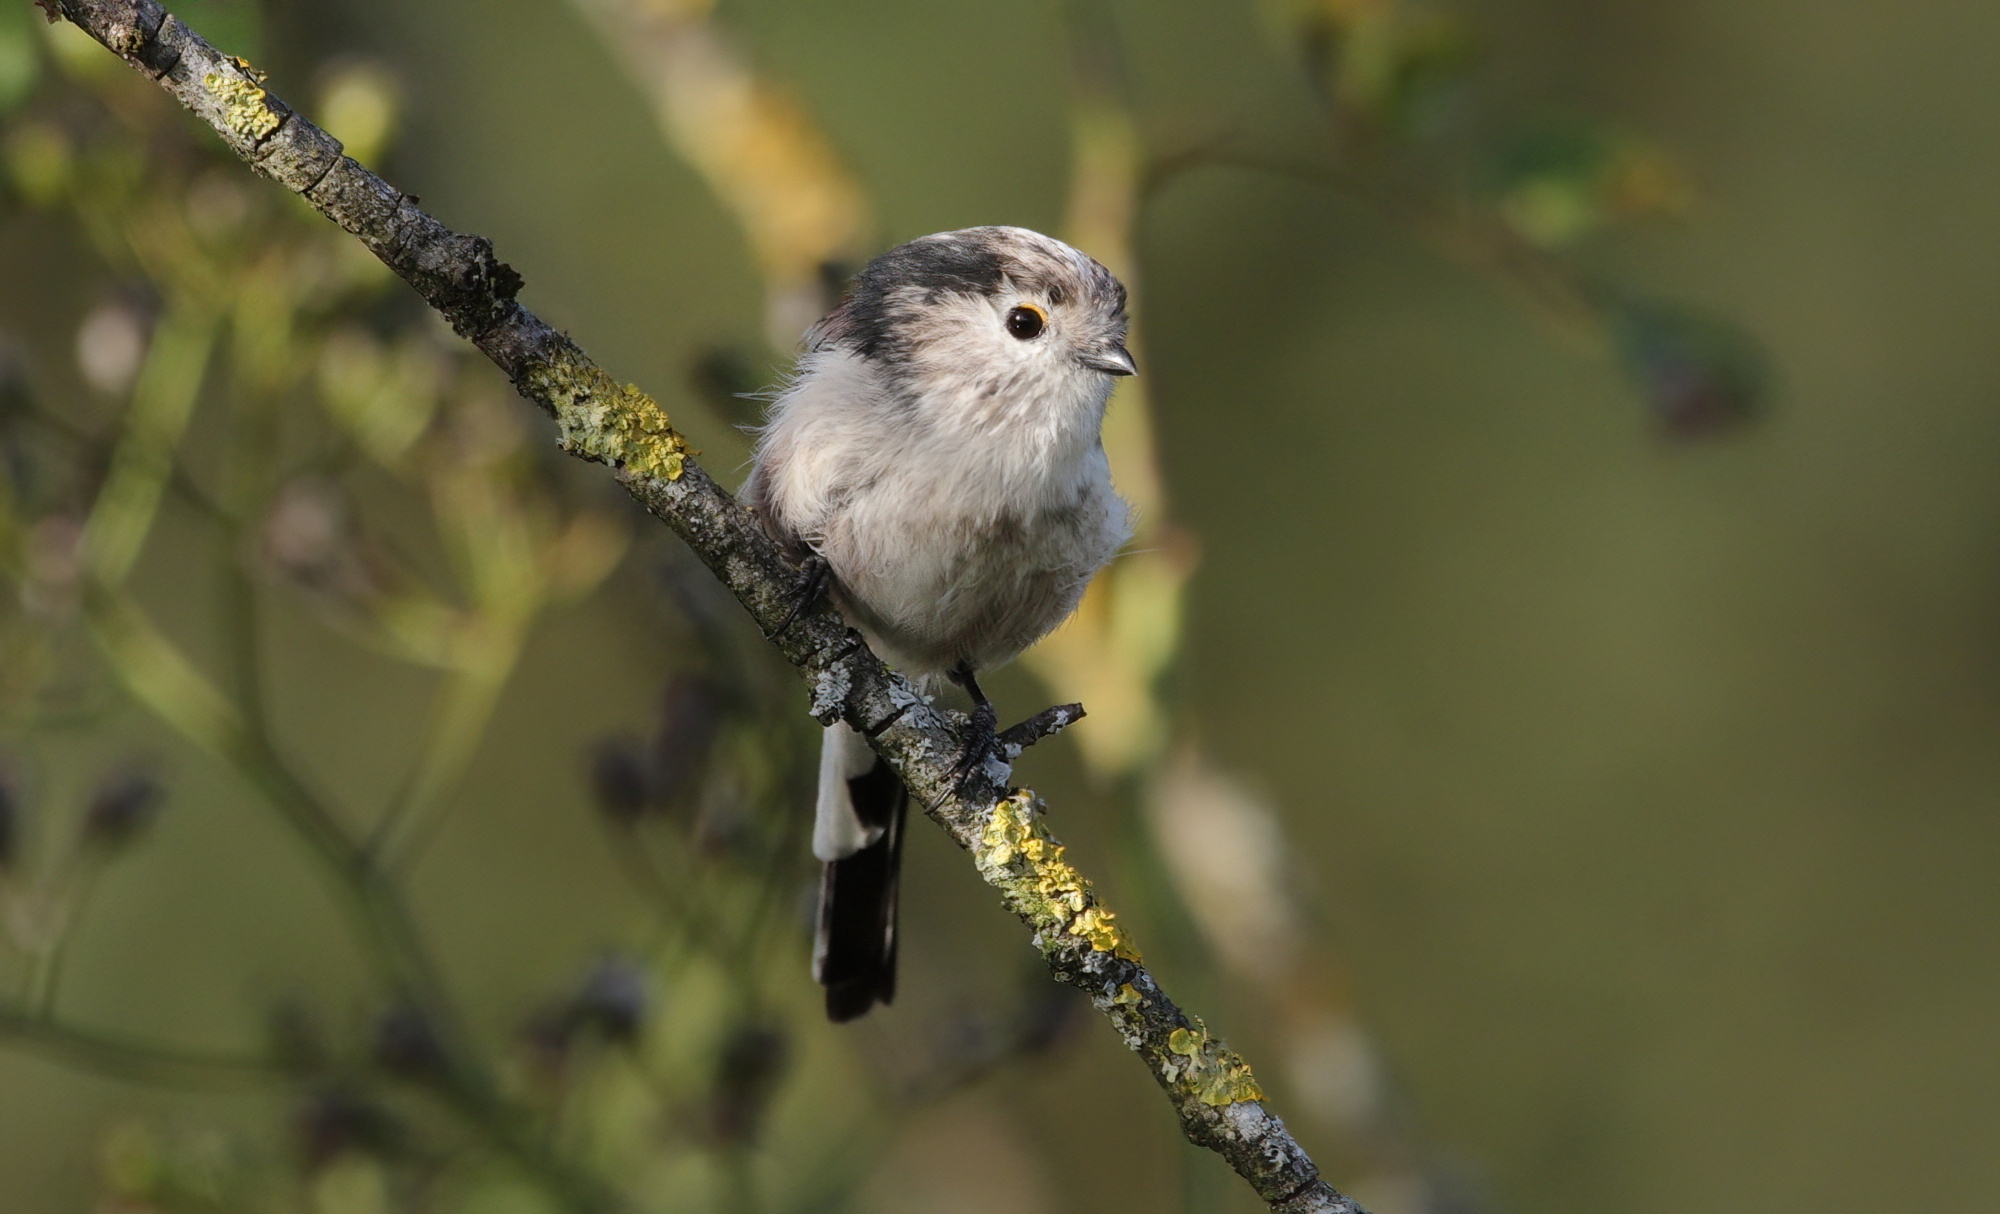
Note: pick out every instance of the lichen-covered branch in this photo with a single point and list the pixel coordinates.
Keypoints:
(1218, 1100)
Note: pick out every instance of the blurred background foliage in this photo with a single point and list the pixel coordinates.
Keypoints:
(1546, 721)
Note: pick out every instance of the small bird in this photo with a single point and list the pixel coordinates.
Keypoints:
(937, 462)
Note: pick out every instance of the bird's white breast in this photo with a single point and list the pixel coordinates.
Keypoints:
(961, 525)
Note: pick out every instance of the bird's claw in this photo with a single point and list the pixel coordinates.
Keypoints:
(816, 576)
(982, 742)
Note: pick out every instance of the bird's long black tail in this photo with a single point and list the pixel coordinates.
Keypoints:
(854, 949)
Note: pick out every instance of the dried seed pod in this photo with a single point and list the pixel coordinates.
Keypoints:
(123, 805)
(618, 781)
(611, 1005)
(691, 713)
(613, 1000)
(753, 1058)
(336, 1121)
(406, 1044)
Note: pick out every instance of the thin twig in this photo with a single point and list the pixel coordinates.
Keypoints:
(159, 675)
(1218, 1101)
(45, 968)
(126, 1058)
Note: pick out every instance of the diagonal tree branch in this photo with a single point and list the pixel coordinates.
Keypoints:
(1212, 1089)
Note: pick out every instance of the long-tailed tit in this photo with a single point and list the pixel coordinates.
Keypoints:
(938, 456)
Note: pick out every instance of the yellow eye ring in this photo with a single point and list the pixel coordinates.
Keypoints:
(1026, 321)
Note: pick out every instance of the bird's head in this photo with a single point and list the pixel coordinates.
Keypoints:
(986, 321)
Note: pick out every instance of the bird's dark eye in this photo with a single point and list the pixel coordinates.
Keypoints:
(1025, 321)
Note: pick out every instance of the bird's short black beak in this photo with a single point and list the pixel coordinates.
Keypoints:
(1112, 359)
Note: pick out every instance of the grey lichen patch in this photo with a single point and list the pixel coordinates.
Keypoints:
(1124, 1008)
(1017, 856)
(830, 691)
(902, 698)
(600, 419)
(243, 105)
(1199, 1066)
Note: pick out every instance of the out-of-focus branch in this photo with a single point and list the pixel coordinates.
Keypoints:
(1383, 73)
(1123, 636)
(124, 1058)
(797, 205)
(1218, 1100)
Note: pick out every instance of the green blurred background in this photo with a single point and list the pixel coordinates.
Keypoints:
(1636, 780)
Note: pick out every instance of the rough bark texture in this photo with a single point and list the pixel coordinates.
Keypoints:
(1218, 1100)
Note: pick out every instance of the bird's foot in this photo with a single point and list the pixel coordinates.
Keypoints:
(816, 576)
(981, 733)
(982, 742)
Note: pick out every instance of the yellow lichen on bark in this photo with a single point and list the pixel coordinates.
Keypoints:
(243, 105)
(1230, 1083)
(599, 418)
(1208, 1070)
(1017, 856)
(1096, 925)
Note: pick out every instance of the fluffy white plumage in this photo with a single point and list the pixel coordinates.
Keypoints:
(939, 448)
(956, 487)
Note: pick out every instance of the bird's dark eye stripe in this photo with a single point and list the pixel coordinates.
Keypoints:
(1025, 321)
